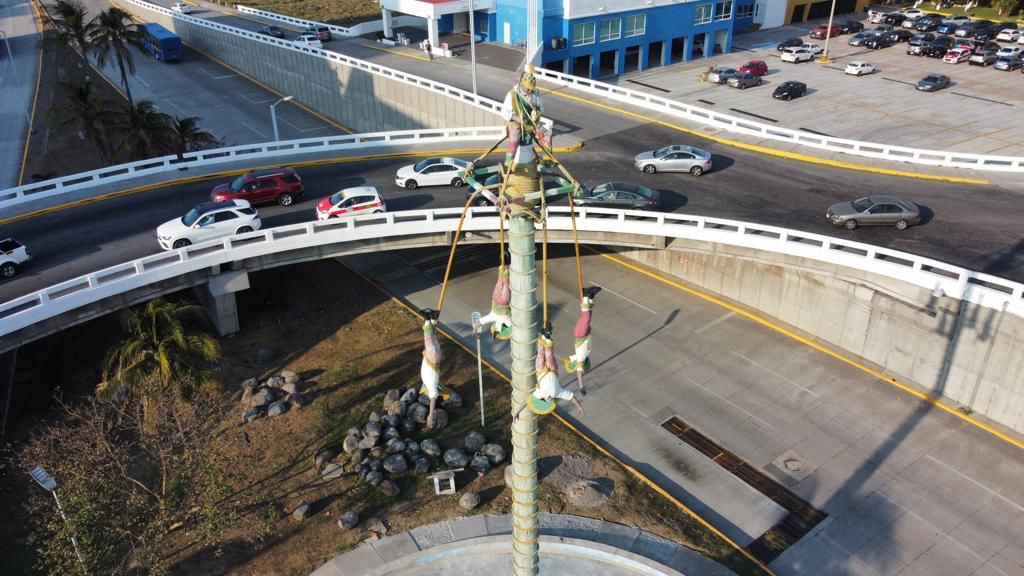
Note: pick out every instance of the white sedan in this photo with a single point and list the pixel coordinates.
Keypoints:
(859, 68)
(1009, 35)
(208, 221)
(813, 48)
(432, 172)
(181, 8)
(796, 55)
(309, 41)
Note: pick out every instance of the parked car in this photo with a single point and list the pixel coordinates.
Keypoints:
(876, 16)
(959, 19)
(982, 58)
(860, 38)
(986, 33)
(875, 211)
(676, 158)
(927, 23)
(879, 41)
(281, 185)
(813, 48)
(972, 28)
(956, 56)
(755, 67)
(208, 221)
(859, 68)
(893, 19)
(1009, 35)
(789, 43)
(947, 27)
(350, 202)
(12, 255)
(309, 41)
(796, 55)
(933, 83)
(1010, 51)
(721, 73)
(321, 32)
(271, 31)
(743, 80)
(181, 8)
(619, 195)
(912, 13)
(1008, 63)
(917, 44)
(938, 47)
(789, 89)
(437, 171)
(850, 27)
(901, 35)
(822, 31)
(910, 22)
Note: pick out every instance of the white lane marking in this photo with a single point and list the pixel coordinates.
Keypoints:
(261, 134)
(749, 414)
(251, 101)
(714, 322)
(638, 411)
(776, 374)
(141, 81)
(176, 107)
(222, 77)
(975, 482)
(630, 300)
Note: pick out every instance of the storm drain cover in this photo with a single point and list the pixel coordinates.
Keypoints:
(793, 465)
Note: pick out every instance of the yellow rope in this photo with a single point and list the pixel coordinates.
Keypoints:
(576, 242)
(451, 254)
(544, 251)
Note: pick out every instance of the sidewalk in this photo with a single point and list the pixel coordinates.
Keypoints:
(18, 71)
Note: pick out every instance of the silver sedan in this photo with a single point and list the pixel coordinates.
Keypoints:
(875, 211)
(674, 159)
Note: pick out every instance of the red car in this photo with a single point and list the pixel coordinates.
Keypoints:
(822, 30)
(755, 67)
(281, 185)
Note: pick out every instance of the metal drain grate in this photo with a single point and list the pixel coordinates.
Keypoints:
(802, 516)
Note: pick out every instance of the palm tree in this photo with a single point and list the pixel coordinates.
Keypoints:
(73, 24)
(189, 138)
(112, 32)
(144, 130)
(157, 353)
(90, 115)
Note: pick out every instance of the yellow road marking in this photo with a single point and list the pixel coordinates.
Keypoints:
(396, 52)
(35, 95)
(636, 473)
(190, 3)
(771, 151)
(807, 341)
(197, 178)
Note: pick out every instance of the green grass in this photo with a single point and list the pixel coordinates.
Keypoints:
(340, 12)
(978, 12)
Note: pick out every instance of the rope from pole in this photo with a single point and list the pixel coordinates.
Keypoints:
(451, 253)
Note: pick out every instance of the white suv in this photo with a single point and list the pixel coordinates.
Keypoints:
(12, 255)
(181, 8)
(796, 55)
(309, 41)
(208, 221)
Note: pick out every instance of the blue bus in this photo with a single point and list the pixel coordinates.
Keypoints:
(160, 42)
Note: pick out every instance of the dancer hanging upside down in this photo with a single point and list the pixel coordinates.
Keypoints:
(499, 318)
(580, 361)
(430, 368)
(548, 389)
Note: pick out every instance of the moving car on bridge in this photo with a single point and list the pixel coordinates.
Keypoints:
(208, 221)
(351, 202)
(12, 255)
(674, 159)
(619, 195)
(437, 171)
(875, 211)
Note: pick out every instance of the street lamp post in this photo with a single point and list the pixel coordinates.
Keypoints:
(43, 478)
(472, 43)
(273, 115)
(828, 35)
(14, 72)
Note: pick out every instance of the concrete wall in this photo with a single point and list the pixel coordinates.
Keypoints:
(355, 98)
(903, 329)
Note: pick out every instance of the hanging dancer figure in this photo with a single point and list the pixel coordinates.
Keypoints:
(522, 111)
(548, 389)
(430, 368)
(580, 361)
(500, 319)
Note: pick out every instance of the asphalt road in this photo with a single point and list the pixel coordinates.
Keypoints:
(971, 226)
(18, 68)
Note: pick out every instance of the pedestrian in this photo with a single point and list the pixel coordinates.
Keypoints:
(430, 53)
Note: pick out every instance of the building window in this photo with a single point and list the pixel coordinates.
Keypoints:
(582, 34)
(610, 29)
(745, 11)
(702, 14)
(723, 10)
(636, 25)
(483, 26)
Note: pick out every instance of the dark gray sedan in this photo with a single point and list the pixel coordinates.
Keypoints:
(875, 211)
(674, 159)
(743, 80)
(933, 82)
(620, 195)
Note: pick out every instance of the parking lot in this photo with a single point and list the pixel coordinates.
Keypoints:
(980, 112)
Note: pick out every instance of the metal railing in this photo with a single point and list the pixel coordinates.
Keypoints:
(743, 126)
(979, 288)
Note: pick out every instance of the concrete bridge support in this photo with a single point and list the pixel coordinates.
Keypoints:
(218, 297)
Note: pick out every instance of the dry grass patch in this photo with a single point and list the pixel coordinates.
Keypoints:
(340, 12)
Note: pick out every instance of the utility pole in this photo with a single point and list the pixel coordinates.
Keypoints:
(472, 42)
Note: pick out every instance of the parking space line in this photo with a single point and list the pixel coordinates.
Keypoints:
(221, 77)
(141, 81)
(250, 100)
(975, 482)
(981, 98)
(758, 116)
(899, 81)
(648, 86)
(260, 134)
(714, 322)
(630, 300)
(176, 107)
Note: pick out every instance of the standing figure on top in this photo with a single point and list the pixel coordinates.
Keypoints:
(580, 361)
(430, 368)
(548, 389)
(522, 111)
(500, 318)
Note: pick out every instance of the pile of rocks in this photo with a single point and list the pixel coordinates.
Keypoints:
(273, 398)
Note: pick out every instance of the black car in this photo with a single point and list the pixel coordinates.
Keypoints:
(938, 47)
(927, 24)
(986, 33)
(789, 43)
(901, 35)
(619, 195)
(917, 44)
(850, 27)
(894, 19)
(789, 90)
(271, 31)
(933, 82)
(879, 41)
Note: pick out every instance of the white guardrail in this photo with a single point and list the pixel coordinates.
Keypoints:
(742, 126)
(49, 189)
(983, 289)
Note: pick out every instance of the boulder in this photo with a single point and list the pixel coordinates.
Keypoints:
(392, 420)
(372, 428)
(390, 433)
(302, 511)
(275, 382)
(418, 413)
(398, 409)
(480, 463)
(409, 396)
(430, 447)
(332, 471)
(277, 408)
(389, 487)
(348, 520)
(264, 356)
(374, 478)
(423, 400)
(367, 442)
(455, 458)
(421, 465)
(290, 387)
(469, 500)
(296, 400)
(390, 397)
(377, 452)
(395, 445)
(396, 464)
(474, 442)
(261, 397)
(251, 384)
(362, 469)
(358, 457)
(408, 427)
(453, 401)
(494, 452)
(377, 527)
(412, 447)
(247, 397)
(375, 416)
(251, 414)
(374, 464)
(440, 419)
(323, 456)
(351, 443)
(289, 376)
(354, 431)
